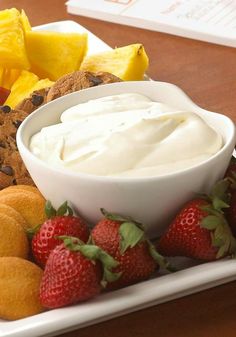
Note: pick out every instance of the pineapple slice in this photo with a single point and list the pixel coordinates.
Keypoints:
(21, 88)
(128, 63)
(26, 83)
(1, 76)
(25, 22)
(54, 54)
(8, 77)
(12, 43)
(45, 83)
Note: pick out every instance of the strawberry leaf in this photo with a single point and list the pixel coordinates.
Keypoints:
(160, 260)
(220, 189)
(64, 209)
(130, 234)
(218, 204)
(221, 252)
(217, 242)
(71, 242)
(30, 232)
(210, 222)
(219, 232)
(111, 216)
(117, 217)
(70, 210)
(50, 210)
(107, 260)
(94, 253)
(110, 276)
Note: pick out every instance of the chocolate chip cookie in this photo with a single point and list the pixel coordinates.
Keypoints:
(12, 168)
(34, 101)
(79, 80)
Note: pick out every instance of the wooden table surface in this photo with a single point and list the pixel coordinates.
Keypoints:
(207, 73)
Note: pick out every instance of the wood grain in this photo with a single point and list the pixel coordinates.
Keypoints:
(207, 73)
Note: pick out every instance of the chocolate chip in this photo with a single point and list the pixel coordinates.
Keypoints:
(17, 123)
(37, 100)
(2, 144)
(7, 170)
(6, 109)
(96, 80)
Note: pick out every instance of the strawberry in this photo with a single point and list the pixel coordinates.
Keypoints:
(45, 240)
(124, 239)
(73, 273)
(200, 229)
(4, 93)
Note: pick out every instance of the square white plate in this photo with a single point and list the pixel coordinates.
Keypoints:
(160, 289)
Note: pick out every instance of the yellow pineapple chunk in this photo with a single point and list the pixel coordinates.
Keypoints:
(53, 54)
(25, 22)
(26, 83)
(21, 88)
(12, 43)
(128, 63)
(8, 77)
(45, 83)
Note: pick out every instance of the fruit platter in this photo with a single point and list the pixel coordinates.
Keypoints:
(98, 228)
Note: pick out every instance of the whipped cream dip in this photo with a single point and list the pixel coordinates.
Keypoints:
(126, 135)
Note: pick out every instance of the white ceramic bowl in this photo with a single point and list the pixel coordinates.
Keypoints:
(153, 200)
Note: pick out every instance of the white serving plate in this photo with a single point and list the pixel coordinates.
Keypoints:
(162, 288)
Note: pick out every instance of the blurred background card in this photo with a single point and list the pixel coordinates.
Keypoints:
(207, 20)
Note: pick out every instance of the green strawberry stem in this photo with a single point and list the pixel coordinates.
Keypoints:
(30, 232)
(161, 260)
(221, 235)
(131, 231)
(117, 217)
(94, 253)
(219, 195)
(51, 212)
(131, 235)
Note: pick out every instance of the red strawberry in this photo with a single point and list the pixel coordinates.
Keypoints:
(4, 93)
(200, 229)
(124, 239)
(45, 240)
(73, 273)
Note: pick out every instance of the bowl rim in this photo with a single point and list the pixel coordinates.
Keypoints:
(23, 148)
